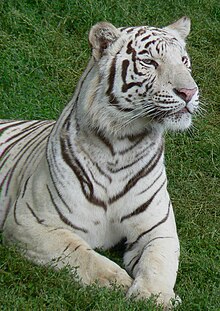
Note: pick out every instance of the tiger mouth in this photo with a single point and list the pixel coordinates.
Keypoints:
(183, 111)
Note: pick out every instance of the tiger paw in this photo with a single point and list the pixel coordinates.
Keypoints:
(140, 291)
(168, 300)
(105, 272)
(114, 275)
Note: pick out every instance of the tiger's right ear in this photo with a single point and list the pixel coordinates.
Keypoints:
(101, 36)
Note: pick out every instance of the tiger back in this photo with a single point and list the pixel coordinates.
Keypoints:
(22, 145)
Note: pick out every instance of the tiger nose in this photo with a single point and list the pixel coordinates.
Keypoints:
(185, 94)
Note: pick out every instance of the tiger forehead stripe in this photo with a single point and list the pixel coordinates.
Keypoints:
(133, 52)
(130, 29)
(150, 43)
(140, 32)
(146, 37)
(158, 36)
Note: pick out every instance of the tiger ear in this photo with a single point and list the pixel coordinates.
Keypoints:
(182, 27)
(101, 36)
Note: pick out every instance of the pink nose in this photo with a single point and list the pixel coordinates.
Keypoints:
(185, 94)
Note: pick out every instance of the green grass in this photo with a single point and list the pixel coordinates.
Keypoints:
(43, 51)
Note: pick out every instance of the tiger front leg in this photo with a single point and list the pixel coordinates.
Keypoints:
(90, 266)
(62, 247)
(152, 260)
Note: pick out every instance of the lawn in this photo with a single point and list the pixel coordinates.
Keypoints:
(43, 50)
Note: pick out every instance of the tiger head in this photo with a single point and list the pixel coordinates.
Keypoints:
(143, 77)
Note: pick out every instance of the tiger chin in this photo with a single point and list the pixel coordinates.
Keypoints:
(97, 175)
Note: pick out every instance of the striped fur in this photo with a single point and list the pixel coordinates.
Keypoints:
(97, 175)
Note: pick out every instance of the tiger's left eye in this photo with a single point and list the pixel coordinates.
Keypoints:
(150, 62)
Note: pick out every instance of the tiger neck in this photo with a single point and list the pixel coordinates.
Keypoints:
(84, 119)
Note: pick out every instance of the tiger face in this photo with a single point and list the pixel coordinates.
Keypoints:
(145, 74)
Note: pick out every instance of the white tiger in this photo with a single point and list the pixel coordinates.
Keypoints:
(97, 175)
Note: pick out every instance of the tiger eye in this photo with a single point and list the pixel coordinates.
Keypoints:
(150, 62)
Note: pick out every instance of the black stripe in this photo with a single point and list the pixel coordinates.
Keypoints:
(138, 257)
(131, 245)
(139, 140)
(145, 52)
(126, 86)
(4, 179)
(52, 167)
(80, 173)
(111, 79)
(30, 143)
(62, 217)
(130, 29)
(140, 33)
(66, 248)
(25, 186)
(144, 206)
(6, 211)
(142, 173)
(136, 262)
(149, 43)
(132, 51)
(40, 221)
(146, 37)
(4, 161)
(15, 216)
(32, 159)
(145, 150)
(116, 170)
(125, 65)
(11, 125)
(152, 183)
(30, 129)
(98, 183)
(32, 139)
(105, 141)
(139, 156)
(77, 247)
(37, 124)
(102, 172)
(9, 147)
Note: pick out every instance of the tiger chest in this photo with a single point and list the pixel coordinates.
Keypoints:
(123, 179)
(118, 188)
(102, 185)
